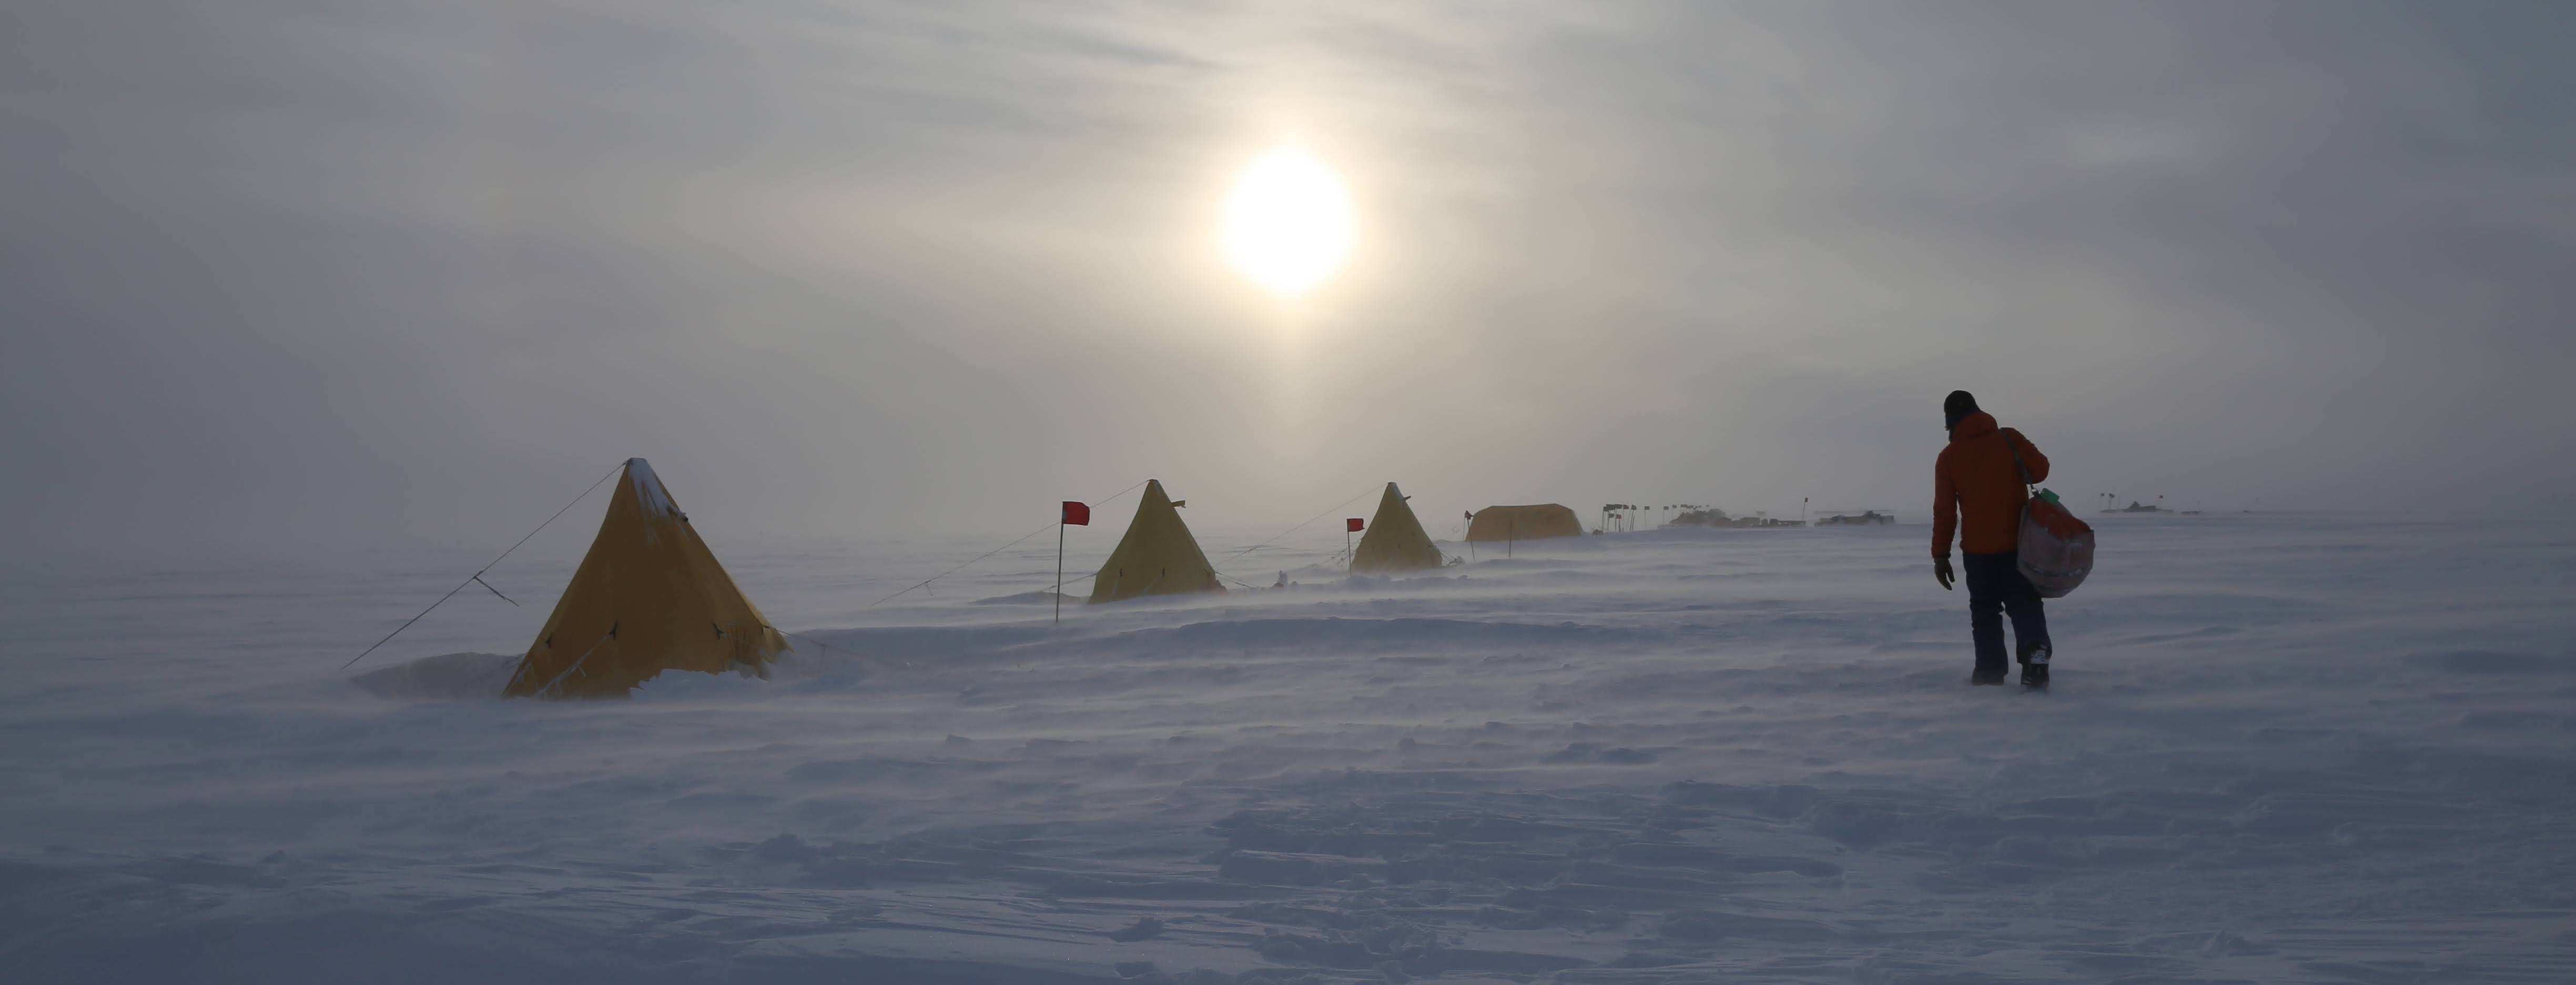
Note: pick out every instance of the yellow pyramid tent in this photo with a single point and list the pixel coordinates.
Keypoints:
(647, 598)
(1394, 540)
(1157, 557)
(1524, 523)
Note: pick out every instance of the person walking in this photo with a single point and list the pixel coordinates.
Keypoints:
(1979, 485)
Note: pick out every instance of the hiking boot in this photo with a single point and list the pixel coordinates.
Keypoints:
(2034, 666)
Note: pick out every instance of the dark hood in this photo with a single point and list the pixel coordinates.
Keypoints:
(1976, 425)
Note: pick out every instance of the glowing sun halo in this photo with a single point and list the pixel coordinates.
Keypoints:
(1288, 223)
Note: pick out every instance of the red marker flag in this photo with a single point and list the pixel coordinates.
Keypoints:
(1077, 514)
(1353, 524)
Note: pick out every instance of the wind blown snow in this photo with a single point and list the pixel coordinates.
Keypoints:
(2281, 749)
(649, 492)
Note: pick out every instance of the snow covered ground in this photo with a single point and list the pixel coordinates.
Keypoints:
(2280, 749)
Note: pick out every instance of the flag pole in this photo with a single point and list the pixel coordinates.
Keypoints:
(1059, 565)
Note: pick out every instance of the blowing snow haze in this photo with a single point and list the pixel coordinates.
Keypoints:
(280, 275)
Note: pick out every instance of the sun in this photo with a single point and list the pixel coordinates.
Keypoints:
(1288, 223)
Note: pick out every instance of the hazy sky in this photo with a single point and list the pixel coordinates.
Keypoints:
(276, 276)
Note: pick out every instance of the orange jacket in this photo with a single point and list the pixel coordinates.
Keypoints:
(1975, 478)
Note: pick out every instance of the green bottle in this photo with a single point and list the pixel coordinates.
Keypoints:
(2050, 496)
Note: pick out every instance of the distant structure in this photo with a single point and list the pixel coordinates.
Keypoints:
(1848, 518)
(1535, 522)
(1700, 516)
(1710, 516)
(1692, 515)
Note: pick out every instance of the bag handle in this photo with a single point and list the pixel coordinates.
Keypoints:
(2008, 435)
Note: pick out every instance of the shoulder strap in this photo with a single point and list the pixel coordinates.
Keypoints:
(2008, 435)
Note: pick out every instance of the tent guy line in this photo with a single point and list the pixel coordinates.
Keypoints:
(1229, 558)
(477, 576)
(1328, 511)
(1014, 543)
(1059, 586)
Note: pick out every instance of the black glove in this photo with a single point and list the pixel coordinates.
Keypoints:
(1941, 572)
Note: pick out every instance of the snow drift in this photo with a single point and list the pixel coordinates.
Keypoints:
(2281, 749)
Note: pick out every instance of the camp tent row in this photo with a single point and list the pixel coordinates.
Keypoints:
(1158, 556)
(650, 597)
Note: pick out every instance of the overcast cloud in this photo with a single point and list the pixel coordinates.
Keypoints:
(276, 276)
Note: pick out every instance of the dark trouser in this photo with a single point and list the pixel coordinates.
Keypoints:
(1996, 587)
